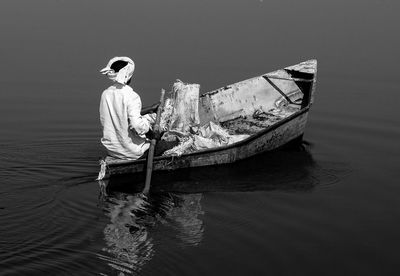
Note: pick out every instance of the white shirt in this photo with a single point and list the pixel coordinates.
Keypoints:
(123, 126)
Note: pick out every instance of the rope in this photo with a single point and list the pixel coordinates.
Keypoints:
(102, 172)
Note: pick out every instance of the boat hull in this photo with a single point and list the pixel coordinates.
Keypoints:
(271, 138)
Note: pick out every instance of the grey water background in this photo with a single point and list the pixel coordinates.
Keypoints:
(329, 208)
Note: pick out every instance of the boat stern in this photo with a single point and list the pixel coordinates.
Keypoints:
(306, 71)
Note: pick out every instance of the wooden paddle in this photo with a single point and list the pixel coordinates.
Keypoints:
(153, 142)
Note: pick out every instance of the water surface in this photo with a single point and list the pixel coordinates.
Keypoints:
(329, 207)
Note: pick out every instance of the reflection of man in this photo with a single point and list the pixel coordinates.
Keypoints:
(123, 127)
(127, 241)
(128, 236)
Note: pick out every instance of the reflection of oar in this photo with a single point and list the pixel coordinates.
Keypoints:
(150, 156)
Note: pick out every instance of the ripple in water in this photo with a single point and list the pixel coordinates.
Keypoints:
(130, 236)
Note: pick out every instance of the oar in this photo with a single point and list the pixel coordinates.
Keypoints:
(153, 142)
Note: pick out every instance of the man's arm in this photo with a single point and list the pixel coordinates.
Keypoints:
(137, 122)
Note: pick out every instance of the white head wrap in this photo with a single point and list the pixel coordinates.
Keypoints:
(123, 75)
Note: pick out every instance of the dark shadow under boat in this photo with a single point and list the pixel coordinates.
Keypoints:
(287, 168)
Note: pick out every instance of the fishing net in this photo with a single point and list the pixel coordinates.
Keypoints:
(255, 123)
(180, 117)
(181, 108)
(208, 136)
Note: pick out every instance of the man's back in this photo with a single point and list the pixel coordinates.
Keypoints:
(123, 126)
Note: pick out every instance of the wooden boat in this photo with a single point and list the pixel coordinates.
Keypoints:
(292, 87)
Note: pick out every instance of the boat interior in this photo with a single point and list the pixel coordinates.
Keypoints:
(258, 102)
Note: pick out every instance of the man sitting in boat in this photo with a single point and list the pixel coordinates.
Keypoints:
(123, 126)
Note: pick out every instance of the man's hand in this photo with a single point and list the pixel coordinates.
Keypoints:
(151, 117)
(150, 135)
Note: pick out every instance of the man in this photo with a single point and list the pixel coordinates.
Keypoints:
(124, 128)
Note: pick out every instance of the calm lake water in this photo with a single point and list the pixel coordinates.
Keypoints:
(330, 207)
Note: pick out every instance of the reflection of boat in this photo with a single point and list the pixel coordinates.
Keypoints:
(289, 168)
(280, 99)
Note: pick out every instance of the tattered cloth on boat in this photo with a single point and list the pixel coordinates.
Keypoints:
(208, 136)
(180, 117)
